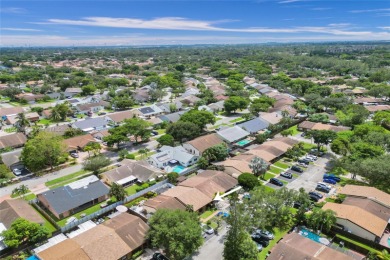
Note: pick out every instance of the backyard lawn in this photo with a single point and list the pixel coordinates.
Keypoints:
(278, 235)
(206, 214)
(45, 121)
(47, 224)
(132, 189)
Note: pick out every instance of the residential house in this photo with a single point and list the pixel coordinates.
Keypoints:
(162, 202)
(307, 126)
(191, 82)
(205, 108)
(202, 143)
(368, 101)
(377, 108)
(149, 111)
(74, 197)
(166, 107)
(119, 117)
(141, 95)
(31, 98)
(12, 159)
(70, 92)
(190, 92)
(221, 97)
(57, 130)
(237, 165)
(217, 107)
(189, 196)
(232, 134)
(12, 209)
(190, 100)
(129, 172)
(367, 192)
(254, 126)
(168, 157)
(297, 247)
(91, 107)
(100, 134)
(272, 118)
(358, 221)
(33, 116)
(46, 113)
(10, 112)
(273, 149)
(12, 141)
(154, 121)
(116, 238)
(172, 118)
(78, 142)
(90, 124)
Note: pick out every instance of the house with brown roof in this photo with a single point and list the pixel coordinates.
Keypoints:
(293, 246)
(273, 118)
(377, 108)
(119, 117)
(12, 141)
(78, 142)
(358, 221)
(57, 130)
(201, 144)
(237, 165)
(129, 172)
(93, 107)
(308, 126)
(31, 98)
(189, 196)
(162, 202)
(367, 192)
(117, 238)
(11, 210)
(273, 149)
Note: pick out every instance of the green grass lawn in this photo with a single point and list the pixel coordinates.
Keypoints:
(275, 170)
(10, 130)
(65, 178)
(307, 147)
(45, 121)
(132, 189)
(282, 165)
(294, 130)
(269, 189)
(161, 131)
(206, 214)
(16, 195)
(87, 211)
(278, 235)
(30, 196)
(269, 175)
(47, 224)
(139, 157)
(344, 181)
(236, 120)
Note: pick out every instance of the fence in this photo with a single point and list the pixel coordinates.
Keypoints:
(111, 207)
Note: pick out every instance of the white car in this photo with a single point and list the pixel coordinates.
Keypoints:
(312, 156)
(324, 185)
(17, 171)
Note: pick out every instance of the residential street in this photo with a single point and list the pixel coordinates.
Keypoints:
(213, 249)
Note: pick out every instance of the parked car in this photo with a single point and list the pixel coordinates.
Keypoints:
(302, 164)
(287, 175)
(223, 214)
(313, 193)
(74, 155)
(331, 181)
(315, 152)
(159, 256)
(261, 240)
(332, 176)
(303, 134)
(276, 182)
(314, 198)
(296, 168)
(264, 233)
(324, 184)
(209, 230)
(322, 188)
(304, 161)
(309, 158)
(259, 246)
(17, 171)
(315, 158)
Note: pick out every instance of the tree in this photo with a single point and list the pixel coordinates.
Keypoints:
(72, 132)
(23, 231)
(238, 244)
(183, 130)
(203, 163)
(261, 104)
(199, 117)
(352, 115)
(383, 255)
(157, 94)
(341, 146)
(234, 102)
(20, 191)
(217, 152)
(143, 152)
(44, 150)
(93, 147)
(287, 132)
(94, 164)
(166, 140)
(22, 122)
(172, 177)
(322, 137)
(115, 138)
(138, 128)
(118, 192)
(177, 232)
(248, 181)
(258, 166)
(382, 118)
(88, 90)
(322, 219)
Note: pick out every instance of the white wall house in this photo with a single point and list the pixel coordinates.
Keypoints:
(171, 155)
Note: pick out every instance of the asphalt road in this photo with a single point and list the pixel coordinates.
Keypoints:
(213, 248)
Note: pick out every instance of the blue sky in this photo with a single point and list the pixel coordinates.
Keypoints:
(158, 22)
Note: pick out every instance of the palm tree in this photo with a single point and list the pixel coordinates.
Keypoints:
(328, 219)
(55, 114)
(118, 192)
(22, 122)
(384, 255)
(20, 191)
(258, 166)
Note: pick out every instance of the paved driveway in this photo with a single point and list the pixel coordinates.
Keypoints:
(212, 249)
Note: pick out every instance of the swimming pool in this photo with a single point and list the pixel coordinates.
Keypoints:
(306, 233)
(243, 142)
(178, 168)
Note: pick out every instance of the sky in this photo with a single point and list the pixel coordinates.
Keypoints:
(31, 23)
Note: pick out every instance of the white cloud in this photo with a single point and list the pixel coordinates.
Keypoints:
(179, 23)
(370, 10)
(20, 29)
(320, 8)
(289, 1)
(12, 10)
(384, 27)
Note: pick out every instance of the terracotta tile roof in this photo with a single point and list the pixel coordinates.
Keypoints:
(204, 142)
(371, 206)
(10, 111)
(241, 166)
(10, 210)
(78, 141)
(12, 140)
(358, 216)
(163, 202)
(66, 250)
(271, 150)
(189, 196)
(367, 192)
(210, 182)
(319, 126)
(120, 116)
(296, 247)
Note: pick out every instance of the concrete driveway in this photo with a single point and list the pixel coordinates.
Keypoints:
(212, 249)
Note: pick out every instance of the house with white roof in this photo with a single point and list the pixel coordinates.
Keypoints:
(170, 156)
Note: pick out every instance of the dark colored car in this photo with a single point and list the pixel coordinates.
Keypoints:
(305, 161)
(286, 175)
(332, 176)
(314, 198)
(330, 181)
(261, 240)
(159, 256)
(313, 193)
(276, 182)
(296, 168)
(322, 188)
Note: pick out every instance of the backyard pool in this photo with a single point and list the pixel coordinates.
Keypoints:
(310, 235)
(178, 168)
(243, 142)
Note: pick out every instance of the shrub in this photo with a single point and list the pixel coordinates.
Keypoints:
(248, 181)
(130, 156)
